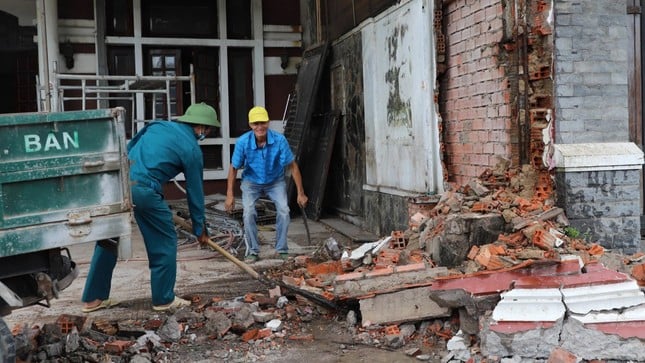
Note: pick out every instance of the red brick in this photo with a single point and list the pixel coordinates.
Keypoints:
(302, 337)
(625, 329)
(250, 335)
(410, 267)
(511, 327)
(559, 355)
(350, 276)
(380, 272)
(392, 330)
(264, 333)
(302, 260)
(117, 346)
(638, 273)
(325, 268)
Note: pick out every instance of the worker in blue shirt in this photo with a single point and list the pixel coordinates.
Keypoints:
(157, 153)
(263, 154)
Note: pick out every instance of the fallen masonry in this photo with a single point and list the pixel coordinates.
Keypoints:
(491, 272)
(499, 256)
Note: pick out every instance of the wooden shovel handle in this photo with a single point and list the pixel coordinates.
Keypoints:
(246, 268)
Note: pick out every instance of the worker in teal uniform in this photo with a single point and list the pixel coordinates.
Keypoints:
(157, 153)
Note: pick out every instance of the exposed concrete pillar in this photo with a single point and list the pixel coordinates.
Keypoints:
(598, 186)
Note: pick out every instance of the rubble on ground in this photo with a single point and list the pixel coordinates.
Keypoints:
(489, 271)
(473, 249)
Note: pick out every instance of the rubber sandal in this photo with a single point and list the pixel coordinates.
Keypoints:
(105, 304)
(251, 258)
(283, 256)
(175, 304)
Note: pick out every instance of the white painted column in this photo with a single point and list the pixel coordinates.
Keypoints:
(43, 72)
(48, 50)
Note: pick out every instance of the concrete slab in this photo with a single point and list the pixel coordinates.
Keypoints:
(406, 305)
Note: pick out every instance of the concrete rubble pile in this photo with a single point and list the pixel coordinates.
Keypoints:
(489, 271)
(500, 257)
(249, 328)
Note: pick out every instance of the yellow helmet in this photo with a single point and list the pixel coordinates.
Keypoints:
(258, 114)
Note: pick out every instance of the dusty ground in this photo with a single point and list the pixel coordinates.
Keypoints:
(204, 273)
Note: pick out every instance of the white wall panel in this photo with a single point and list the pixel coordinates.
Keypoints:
(402, 143)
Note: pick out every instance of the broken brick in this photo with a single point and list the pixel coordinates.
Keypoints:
(117, 346)
(638, 273)
(474, 250)
(380, 272)
(264, 333)
(398, 240)
(596, 250)
(392, 329)
(410, 267)
(302, 337)
(249, 335)
(559, 355)
(327, 267)
(350, 276)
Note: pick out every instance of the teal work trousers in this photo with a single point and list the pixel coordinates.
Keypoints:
(154, 219)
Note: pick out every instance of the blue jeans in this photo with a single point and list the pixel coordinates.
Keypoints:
(277, 192)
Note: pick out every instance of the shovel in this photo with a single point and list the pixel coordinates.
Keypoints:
(304, 220)
(261, 278)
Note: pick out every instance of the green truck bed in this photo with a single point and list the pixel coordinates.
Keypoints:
(63, 180)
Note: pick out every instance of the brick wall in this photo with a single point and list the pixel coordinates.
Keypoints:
(591, 71)
(476, 100)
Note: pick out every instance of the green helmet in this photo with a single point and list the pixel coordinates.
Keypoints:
(201, 114)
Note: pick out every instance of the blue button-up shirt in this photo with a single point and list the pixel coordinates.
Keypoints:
(262, 165)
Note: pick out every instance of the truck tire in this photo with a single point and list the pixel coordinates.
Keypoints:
(7, 344)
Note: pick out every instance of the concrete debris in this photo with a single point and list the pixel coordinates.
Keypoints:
(487, 272)
(274, 325)
(471, 257)
(387, 308)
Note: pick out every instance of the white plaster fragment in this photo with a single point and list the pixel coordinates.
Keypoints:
(581, 300)
(530, 305)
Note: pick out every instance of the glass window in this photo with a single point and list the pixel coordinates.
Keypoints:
(164, 62)
(212, 157)
(240, 88)
(171, 18)
(118, 15)
(238, 19)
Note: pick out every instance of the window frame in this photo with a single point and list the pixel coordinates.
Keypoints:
(139, 42)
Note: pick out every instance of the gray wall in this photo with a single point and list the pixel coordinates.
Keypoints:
(591, 71)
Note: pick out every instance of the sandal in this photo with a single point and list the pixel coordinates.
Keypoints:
(251, 258)
(175, 304)
(105, 304)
